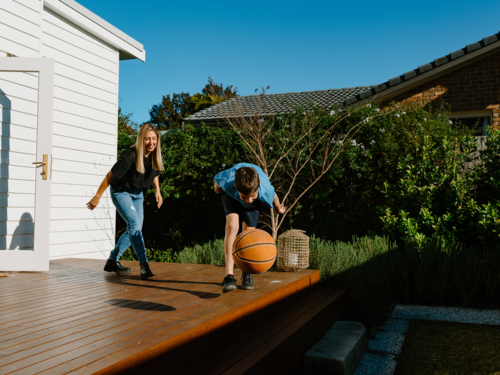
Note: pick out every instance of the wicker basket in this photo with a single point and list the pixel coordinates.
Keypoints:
(293, 250)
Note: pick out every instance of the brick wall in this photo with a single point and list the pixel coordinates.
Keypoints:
(471, 88)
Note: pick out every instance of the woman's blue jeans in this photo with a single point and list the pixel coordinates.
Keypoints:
(130, 206)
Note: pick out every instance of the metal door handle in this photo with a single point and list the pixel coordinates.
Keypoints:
(45, 163)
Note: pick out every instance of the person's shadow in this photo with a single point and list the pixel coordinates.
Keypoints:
(22, 237)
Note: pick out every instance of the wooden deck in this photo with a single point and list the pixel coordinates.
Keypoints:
(78, 319)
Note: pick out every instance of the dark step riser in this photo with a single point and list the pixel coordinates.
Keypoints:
(184, 356)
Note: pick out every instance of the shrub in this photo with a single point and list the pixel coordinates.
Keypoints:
(378, 273)
(363, 268)
(209, 253)
(154, 255)
(436, 196)
(346, 202)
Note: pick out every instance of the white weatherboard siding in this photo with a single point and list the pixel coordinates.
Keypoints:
(86, 50)
(19, 36)
(20, 28)
(84, 137)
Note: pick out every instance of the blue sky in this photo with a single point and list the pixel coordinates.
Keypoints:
(287, 45)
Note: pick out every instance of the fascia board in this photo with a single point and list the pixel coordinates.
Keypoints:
(438, 72)
(88, 21)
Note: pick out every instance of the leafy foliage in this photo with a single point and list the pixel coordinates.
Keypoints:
(353, 196)
(212, 93)
(378, 273)
(437, 195)
(171, 111)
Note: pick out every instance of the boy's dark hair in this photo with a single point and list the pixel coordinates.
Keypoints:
(246, 180)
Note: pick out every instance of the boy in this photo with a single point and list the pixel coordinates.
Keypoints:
(243, 188)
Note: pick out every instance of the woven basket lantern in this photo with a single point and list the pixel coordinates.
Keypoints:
(293, 250)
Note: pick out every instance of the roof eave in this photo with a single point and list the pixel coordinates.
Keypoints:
(430, 75)
(82, 17)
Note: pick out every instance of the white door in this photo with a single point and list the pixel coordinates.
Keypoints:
(26, 106)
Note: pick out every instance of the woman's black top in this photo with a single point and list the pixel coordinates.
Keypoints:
(126, 176)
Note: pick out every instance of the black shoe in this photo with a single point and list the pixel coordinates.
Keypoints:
(115, 266)
(228, 284)
(246, 281)
(145, 271)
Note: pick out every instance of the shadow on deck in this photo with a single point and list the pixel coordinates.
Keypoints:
(78, 319)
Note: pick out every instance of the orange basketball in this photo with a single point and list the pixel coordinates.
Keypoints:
(254, 251)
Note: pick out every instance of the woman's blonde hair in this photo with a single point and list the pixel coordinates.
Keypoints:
(139, 149)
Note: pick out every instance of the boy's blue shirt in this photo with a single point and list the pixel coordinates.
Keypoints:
(225, 180)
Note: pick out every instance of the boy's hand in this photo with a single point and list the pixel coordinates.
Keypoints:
(280, 209)
(217, 188)
(159, 198)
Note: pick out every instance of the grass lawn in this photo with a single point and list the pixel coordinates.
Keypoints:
(440, 348)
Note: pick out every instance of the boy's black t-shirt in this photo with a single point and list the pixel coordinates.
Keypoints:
(126, 176)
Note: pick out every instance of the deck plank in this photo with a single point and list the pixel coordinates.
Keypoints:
(77, 318)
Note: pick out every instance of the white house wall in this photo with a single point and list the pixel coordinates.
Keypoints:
(20, 27)
(19, 36)
(84, 119)
(84, 137)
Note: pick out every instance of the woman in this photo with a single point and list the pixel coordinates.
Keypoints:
(136, 169)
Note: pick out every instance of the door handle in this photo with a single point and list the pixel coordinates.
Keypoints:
(45, 164)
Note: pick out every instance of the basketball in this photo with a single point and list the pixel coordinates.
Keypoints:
(254, 251)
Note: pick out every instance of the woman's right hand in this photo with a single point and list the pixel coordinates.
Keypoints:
(93, 202)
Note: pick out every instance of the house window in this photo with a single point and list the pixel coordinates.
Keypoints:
(477, 121)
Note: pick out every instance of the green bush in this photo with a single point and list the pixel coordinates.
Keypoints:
(209, 253)
(348, 199)
(447, 273)
(154, 255)
(362, 267)
(435, 196)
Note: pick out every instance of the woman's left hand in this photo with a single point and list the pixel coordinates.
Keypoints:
(159, 198)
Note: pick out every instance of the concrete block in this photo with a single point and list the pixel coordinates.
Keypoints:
(339, 350)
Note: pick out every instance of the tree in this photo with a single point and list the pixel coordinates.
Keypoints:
(169, 113)
(296, 148)
(125, 123)
(212, 94)
(127, 130)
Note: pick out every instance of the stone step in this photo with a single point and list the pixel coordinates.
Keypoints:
(339, 350)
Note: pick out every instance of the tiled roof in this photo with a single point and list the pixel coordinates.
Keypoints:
(453, 56)
(279, 103)
(275, 103)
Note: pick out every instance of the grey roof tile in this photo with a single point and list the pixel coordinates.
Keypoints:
(410, 74)
(456, 54)
(490, 39)
(473, 47)
(394, 81)
(365, 94)
(279, 103)
(441, 61)
(424, 68)
(378, 88)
